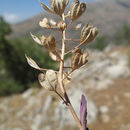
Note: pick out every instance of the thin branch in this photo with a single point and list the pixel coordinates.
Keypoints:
(60, 96)
(73, 49)
(67, 67)
(75, 40)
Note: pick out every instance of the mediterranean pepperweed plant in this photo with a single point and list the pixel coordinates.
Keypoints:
(50, 79)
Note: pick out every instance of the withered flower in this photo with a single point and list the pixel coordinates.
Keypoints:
(77, 9)
(88, 33)
(49, 80)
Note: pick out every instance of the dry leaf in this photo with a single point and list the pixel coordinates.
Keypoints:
(32, 63)
(36, 39)
(47, 8)
(55, 56)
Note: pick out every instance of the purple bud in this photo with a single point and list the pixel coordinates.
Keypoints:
(83, 112)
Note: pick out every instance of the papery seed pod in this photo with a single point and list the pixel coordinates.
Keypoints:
(52, 78)
(47, 8)
(49, 43)
(85, 57)
(49, 80)
(88, 33)
(77, 9)
(61, 25)
(78, 59)
(45, 23)
(36, 39)
(59, 6)
(75, 59)
(32, 63)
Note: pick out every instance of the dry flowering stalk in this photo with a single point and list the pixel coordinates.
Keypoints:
(50, 78)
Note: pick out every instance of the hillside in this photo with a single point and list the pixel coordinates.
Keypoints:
(108, 16)
(106, 86)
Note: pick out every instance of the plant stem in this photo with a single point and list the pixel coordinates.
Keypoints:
(73, 48)
(68, 103)
(74, 40)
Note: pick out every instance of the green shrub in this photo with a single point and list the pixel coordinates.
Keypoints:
(15, 73)
(99, 43)
(123, 35)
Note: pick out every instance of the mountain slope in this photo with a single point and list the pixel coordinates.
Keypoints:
(108, 16)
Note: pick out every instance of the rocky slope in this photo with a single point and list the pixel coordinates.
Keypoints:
(105, 81)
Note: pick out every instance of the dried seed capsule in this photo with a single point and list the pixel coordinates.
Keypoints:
(49, 43)
(78, 59)
(59, 6)
(88, 33)
(75, 59)
(61, 25)
(85, 57)
(77, 9)
(49, 80)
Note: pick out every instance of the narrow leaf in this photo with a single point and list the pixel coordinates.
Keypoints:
(32, 63)
(83, 112)
(36, 39)
(47, 8)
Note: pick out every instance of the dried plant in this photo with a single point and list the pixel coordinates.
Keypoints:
(51, 79)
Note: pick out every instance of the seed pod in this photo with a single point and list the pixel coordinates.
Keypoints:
(77, 9)
(85, 57)
(45, 23)
(61, 25)
(88, 33)
(59, 6)
(75, 59)
(78, 59)
(49, 80)
(49, 43)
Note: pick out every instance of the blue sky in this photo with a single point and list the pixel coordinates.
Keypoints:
(14, 11)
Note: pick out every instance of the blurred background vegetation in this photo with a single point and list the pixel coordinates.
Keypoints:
(16, 75)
